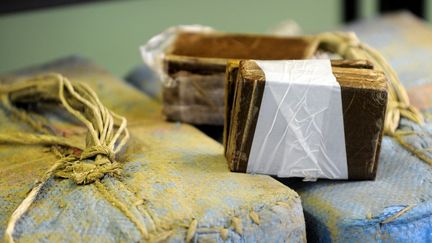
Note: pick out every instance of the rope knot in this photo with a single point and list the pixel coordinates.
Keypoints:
(92, 165)
(86, 171)
(95, 150)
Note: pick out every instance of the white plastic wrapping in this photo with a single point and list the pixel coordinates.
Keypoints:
(153, 52)
(300, 131)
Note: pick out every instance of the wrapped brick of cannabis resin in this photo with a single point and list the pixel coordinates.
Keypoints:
(304, 118)
(194, 65)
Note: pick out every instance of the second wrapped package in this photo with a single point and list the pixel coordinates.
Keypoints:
(304, 118)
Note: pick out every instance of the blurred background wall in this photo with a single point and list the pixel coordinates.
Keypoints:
(110, 32)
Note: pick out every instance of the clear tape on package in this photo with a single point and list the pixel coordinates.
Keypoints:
(300, 131)
(153, 52)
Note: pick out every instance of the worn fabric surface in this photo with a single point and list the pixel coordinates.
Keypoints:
(397, 206)
(357, 211)
(174, 177)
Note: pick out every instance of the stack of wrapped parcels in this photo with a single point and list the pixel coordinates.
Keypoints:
(98, 162)
(286, 109)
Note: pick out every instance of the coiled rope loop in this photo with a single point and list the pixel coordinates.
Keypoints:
(107, 132)
(348, 46)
